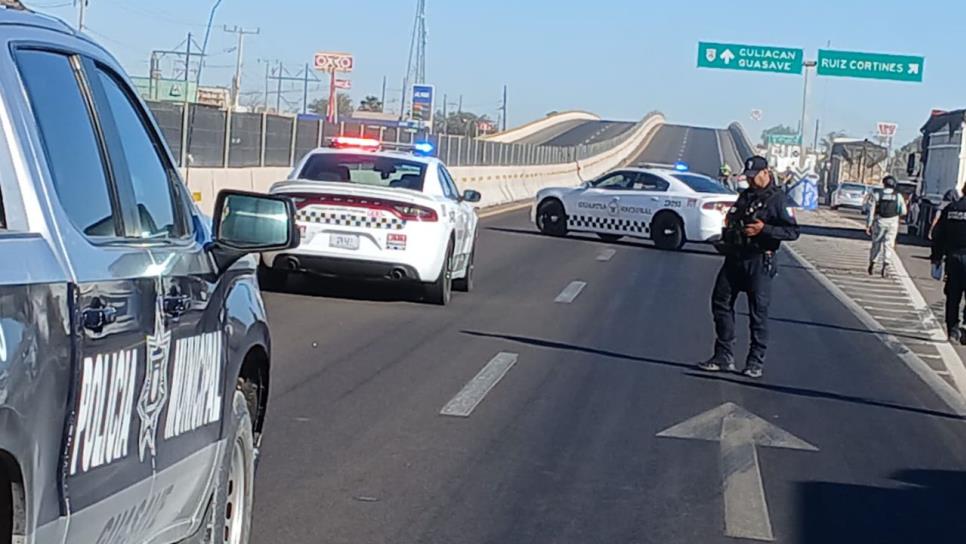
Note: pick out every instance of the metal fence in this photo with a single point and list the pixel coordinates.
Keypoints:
(217, 138)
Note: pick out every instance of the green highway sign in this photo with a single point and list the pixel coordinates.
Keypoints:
(754, 58)
(870, 65)
(783, 139)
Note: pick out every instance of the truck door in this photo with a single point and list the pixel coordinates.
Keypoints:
(180, 404)
(107, 466)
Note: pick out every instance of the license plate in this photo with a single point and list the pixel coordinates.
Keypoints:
(344, 241)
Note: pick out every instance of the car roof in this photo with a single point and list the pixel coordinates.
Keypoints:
(10, 15)
(380, 153)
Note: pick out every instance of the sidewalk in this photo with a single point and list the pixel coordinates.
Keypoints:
(902, 308)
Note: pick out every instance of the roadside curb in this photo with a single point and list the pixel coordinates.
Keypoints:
(950, 396)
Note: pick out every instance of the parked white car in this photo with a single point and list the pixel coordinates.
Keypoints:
(849, 195)
(372, 214)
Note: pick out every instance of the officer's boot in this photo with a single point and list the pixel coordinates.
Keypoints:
(885, 270)
(871, 268)
(954, 334)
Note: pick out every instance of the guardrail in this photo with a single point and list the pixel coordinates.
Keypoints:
(517, 178)
(214, 138)
(742, 142)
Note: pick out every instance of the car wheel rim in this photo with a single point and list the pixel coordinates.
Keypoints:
(236, 498)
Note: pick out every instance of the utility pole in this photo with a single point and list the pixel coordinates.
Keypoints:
(304, 77)
(236, 82)
(460, 110)
(187, 68)
(267, 73)
(382, 100)
(503, 107)
(445, 118)
(80, 17)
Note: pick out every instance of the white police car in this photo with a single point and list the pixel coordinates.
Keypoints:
(373, 214)
(667, 204)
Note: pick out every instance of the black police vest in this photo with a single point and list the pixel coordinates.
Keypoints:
(888, 205)
(956, 227)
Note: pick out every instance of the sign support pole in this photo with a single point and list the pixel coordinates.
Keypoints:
(801, 129)
(333, 113)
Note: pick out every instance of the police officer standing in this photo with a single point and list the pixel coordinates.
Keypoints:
(883, 223)
(949, 243)
(754, 229)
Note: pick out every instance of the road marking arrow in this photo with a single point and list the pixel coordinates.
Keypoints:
(727, 56)
(740, 432)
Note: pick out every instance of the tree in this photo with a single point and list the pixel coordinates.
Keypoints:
(320, 106)
(371, 103)
(460, 123)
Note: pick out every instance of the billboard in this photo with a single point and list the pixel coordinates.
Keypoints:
(423, 104)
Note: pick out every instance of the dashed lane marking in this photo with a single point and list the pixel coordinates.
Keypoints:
(606, 255)
(570, 292)
(473, 393)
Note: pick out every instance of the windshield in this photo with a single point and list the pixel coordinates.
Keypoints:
(702, 184)
(852, 187)
(374, 170)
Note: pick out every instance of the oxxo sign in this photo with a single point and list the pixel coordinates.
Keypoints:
(334, 62)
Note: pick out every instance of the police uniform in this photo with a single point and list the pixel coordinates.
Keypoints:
(949, 242)
(883, 222)
(749, 267)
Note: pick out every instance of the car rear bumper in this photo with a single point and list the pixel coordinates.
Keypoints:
(344, 268)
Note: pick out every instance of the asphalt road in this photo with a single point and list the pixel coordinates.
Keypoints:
(541, 137)
(694, 145)
(590, 132)
(564, 449)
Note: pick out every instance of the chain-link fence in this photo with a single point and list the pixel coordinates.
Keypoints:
(217, 138)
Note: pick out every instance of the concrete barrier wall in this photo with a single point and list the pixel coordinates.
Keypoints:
(498, 184)
(534, 127)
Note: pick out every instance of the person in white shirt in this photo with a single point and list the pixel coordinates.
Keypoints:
(883, 224)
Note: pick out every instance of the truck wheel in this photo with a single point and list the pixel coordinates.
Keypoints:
(552, 218)
(667, 231)
(441, 291)
(231, 520)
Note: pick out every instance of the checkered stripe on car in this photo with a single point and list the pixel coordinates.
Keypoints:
(608, 223)
(349, 220)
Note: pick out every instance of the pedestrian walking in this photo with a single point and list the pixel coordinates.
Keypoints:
(949, 245)
(882, 223)
(754, 229)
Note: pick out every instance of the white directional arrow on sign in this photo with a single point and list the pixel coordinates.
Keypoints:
(740, 433)
(913, 68)
(727, 56)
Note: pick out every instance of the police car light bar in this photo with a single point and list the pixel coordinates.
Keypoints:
(423, 148)
(342, 142)
(681, 166)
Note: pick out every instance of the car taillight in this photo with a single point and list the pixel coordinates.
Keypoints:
(722, 207)
(410, 212)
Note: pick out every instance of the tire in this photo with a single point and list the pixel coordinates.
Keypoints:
(552, 218)
(833, 207)
(667, 231)
(231, 519)
(441, 291)
(610, 238)
(465, 284)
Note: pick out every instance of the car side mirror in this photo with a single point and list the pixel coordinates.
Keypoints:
(471, 196)
(247, 223)
(911, 164)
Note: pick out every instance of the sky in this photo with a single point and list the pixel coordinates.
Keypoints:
(617, 58)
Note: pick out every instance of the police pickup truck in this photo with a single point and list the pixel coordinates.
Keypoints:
(134, 349)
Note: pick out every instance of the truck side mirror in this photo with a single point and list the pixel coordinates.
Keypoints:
(251, 223)
(911, 164)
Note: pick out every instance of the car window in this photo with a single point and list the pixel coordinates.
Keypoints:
(616, 181)
(449, 186)
(650, 182)
(151, 179)
(364, 169)
(703, 184)
(852, 187)
(69, 139)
